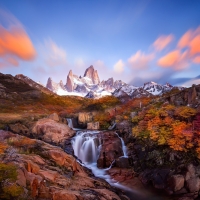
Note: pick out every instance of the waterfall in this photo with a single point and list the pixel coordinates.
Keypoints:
(123, 146)
(70, 123)
(86, 146)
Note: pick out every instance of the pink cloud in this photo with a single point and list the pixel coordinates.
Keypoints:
(195, 45)
(191, 40)
(15, 43)
(119, 66)
(140, 60)
(176, 59)
(12, 61)
(196, 60)
(163, 41)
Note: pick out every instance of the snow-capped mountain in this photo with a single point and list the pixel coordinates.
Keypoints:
(90, 86)
(87, 86)
(156, 89)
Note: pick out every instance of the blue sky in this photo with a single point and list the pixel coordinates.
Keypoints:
(135, 41)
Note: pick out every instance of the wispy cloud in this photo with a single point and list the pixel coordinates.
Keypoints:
(54, 55)
(119, 66)
(162, 42)
(140, 60)
(176, 59)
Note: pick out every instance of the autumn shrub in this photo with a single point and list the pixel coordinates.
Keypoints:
(3, 147)
(24, 144)
(8, 187)
(185, 113)
(160, 126)
(104, 120)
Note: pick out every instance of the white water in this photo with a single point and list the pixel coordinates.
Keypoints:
(70, 124)
(123, 146)
(87, 147)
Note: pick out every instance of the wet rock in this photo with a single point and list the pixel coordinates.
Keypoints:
(176, 182)
(186, 198)
(111, 149)
(68, 147)
(193, 184)
(122, 162)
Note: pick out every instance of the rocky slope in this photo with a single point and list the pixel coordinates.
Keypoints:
(33, 84)
(42, 171)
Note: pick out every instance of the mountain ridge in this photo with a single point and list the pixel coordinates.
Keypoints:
(90, 86)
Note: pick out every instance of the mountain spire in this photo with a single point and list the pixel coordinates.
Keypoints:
(91, 73)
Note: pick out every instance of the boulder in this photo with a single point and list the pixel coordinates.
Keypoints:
(54, 117)
(52, 132)
(176, 182)
(84, 118)
(111, 149)
(193, 184)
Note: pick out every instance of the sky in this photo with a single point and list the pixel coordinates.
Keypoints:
(135, 41)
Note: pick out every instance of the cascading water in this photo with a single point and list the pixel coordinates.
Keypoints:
(123, 146)
(70, 123)
(86, 146)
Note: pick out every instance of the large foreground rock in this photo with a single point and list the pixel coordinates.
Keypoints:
(51, 131)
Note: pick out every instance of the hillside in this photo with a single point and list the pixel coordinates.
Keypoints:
(161, 134)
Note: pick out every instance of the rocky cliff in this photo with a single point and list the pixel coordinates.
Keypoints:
(70, 82)
(91, 73)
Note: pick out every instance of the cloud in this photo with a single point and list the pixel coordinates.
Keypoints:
(195, 45)
(191, 40)
(186, 53)
(163, 41)
(140, 60)
(119, 67)
(185, 39)
(196, 60)
(15, 44)
(176, 59)
(53, 54)
(12, 61)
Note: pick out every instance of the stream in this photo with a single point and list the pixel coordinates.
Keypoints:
(87, 146)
